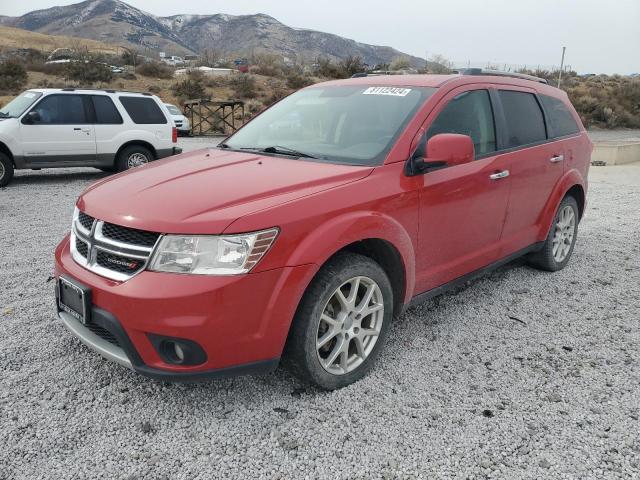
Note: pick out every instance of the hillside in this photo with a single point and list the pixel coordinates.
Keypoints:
(16, 38)
(114, 21)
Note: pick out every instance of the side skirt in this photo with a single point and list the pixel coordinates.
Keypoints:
(434, 292)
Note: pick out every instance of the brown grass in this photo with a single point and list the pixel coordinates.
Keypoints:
(12, 38)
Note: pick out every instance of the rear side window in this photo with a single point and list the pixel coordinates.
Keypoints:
(560, 118)
(525, 122)
(143, 110)
(61, 110)
(106, 111)
(469, 113)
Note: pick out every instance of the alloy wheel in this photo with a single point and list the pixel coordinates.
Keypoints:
(136, 160)
(2, 171)
(350, 325)
(564, 233)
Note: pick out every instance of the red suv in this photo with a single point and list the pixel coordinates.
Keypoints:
(303, 234)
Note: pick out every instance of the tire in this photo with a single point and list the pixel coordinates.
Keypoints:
(6, 170)
(127, 156)
(561, 233)
(320, 303)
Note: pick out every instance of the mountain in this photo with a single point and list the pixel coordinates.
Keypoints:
(114, 21)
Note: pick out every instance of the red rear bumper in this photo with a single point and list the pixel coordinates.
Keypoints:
(240, 321)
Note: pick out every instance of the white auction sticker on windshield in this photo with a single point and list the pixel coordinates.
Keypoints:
(393, 91)
(29, 95)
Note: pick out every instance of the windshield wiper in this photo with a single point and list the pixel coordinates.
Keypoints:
(277, 149)
(4, 115)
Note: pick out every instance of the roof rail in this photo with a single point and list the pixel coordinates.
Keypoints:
(107, 90)
(499, 73)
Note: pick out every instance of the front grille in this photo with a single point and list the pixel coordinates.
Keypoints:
(129, 235)
(118, 263)
(113, 251)
(85, 220)
(82, 248)
(103, 333)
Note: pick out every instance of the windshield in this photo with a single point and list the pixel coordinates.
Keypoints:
(355, 125)
(173, 110)
(19, 105)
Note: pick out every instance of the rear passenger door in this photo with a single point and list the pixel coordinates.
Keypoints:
(108, 124)
(535, 164)
(62, 135)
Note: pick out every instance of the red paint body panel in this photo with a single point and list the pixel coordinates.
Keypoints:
(443, 224)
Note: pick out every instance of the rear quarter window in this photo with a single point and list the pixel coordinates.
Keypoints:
(143, 110)
(560, 118)
(525, 121)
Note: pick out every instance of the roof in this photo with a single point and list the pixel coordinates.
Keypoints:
(440, 80)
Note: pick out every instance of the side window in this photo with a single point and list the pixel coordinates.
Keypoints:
(143, 110)
(469, 113)
(525, 122)
(106, 111)
(560, 118)
(61, 110)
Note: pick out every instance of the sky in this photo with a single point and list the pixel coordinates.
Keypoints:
(601, 36)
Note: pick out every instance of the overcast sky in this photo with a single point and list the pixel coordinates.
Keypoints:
(601, 36)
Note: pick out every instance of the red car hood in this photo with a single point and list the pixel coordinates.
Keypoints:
(206, 190)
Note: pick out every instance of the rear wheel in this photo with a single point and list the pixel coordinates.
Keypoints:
(558, 246)
(133, 156)
(341, 323)
(6, 170)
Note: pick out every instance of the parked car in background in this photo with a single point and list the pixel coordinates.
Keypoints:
(302, 241)
(106, 129)
(182, 122)
(173, 60)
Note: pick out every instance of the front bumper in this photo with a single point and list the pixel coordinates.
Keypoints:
(241, 322)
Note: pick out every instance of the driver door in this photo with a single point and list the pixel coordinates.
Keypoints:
(463, 207)
(61, 135)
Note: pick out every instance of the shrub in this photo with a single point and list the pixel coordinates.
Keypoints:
(351, 65)
(297, 81)
(88, 72)
(327, 69)
(190, 88)
(268, 65)
(244, 86)
(57, 69)
(155, 70)
(13, 76)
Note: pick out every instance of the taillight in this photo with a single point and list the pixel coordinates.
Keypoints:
(174, 135)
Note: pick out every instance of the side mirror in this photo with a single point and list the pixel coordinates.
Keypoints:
(443, 150)
(32, 117)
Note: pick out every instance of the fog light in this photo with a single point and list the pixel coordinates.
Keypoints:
(178, 351)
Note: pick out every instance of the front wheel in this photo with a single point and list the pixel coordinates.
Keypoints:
(341, 323)
(558, 246)
(6, 170)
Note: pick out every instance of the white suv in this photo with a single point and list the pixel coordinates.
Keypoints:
(106, 129)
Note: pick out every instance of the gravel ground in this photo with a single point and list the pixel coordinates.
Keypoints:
(522, 374)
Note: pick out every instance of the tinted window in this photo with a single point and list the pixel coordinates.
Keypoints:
(525, 122)
(61, 109)
(106, 111)
(143, 110)
(470, 114)
(560, 118)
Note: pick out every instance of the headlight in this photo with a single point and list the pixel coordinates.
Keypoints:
(211, 255)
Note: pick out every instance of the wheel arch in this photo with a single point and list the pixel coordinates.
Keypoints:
(141, 143)
(5, 149)
(572, 183)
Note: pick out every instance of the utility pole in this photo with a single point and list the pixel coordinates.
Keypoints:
(561, 67)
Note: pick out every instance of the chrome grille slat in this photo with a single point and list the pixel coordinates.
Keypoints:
(110, 257)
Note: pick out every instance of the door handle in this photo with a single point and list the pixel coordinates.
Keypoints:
(556, 158)
(499, 175)
(86, 130)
